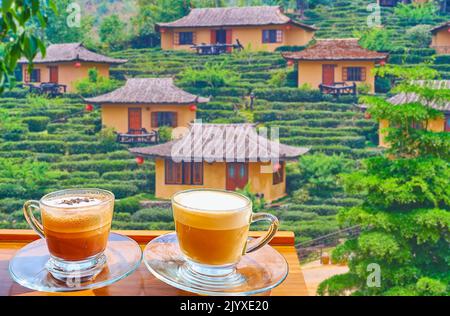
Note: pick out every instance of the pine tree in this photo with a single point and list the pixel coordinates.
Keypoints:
(405, 215)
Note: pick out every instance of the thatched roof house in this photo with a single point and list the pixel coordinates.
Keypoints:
(148, 103)
(63, 64)
(148, 91)
(336, 49)
(261, 27)
(403, 98)
(71, 52)
(234, 16)
(439, 27)
(333, 63)
(441, 38)
(438, 125)
(221, 156)
(236, 140)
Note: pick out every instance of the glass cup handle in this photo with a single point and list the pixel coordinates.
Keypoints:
(32, 221)
(263, 240)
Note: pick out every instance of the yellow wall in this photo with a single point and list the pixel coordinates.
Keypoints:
(116, 116)
(214, 177)
(437, 125)
(441, 41)
(310, 72)
(247, 36)
(68, 73)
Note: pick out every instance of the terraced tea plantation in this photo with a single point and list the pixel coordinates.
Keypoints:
(63, 147)
(49, 144)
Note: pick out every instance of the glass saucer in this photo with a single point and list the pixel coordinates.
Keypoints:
(27, 267)
(261, 270)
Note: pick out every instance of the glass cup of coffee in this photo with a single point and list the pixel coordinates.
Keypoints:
(76, 225)
(212, 228)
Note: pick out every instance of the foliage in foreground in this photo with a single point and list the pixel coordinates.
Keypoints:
(405, 216)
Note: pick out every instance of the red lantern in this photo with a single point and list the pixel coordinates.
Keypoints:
(290, 62)
(288, 27)
(193, 107)
(89, 107)
(382, 63)
(448, 30)
(276, 167)
(77, 64)
(139, 160)
(367, 115)
(162, 30)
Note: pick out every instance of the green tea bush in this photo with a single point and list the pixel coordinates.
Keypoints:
(37, 123)
(212, 75)
(291, 95)
(153, 215)
(95, 84)
(442, 59)
(419, 35)
(9, 205)
(121, 190)
(292, 48)
(127, 205)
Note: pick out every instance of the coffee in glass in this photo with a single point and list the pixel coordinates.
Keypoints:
(212, 229)
(75, 225)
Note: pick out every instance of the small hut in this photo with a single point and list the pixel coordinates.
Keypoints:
(147, 104)
(261, 27)
(336, 64)
(63, 64)
(221, 156)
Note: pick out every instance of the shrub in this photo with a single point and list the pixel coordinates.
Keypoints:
(419, 36)
(127, 205)
(95, 84)
(363, 88)
(278, 77)
(291, 95)
(417, 13)
(375, 38)
(165, 134)
(9, 205)
(153, 215)
(120, 190)
(37, 123)
(293, 48)
(382, 85)
(442, 59)
(14, 132)
(212, 75)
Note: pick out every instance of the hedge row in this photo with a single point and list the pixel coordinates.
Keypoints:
(275, 115)
(60, 147)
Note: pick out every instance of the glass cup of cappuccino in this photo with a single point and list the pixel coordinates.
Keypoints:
(76, 225)
(212, 228)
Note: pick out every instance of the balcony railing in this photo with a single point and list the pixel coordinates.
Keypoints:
(135, 136)
(338, 88)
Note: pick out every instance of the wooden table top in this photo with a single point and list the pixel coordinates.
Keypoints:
(142, 282)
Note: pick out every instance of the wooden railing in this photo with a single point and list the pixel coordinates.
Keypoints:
(138, 136)
(443, 49)
(47, 88)
(338, 88)
(142, 282)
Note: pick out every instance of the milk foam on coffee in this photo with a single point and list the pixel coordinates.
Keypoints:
(212, 209)
(75, 213)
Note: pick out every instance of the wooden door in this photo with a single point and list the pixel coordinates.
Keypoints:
(134, 120)
(237, 175)
(53, 70)
(229, 39)
(221, 37)
(328, 74)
